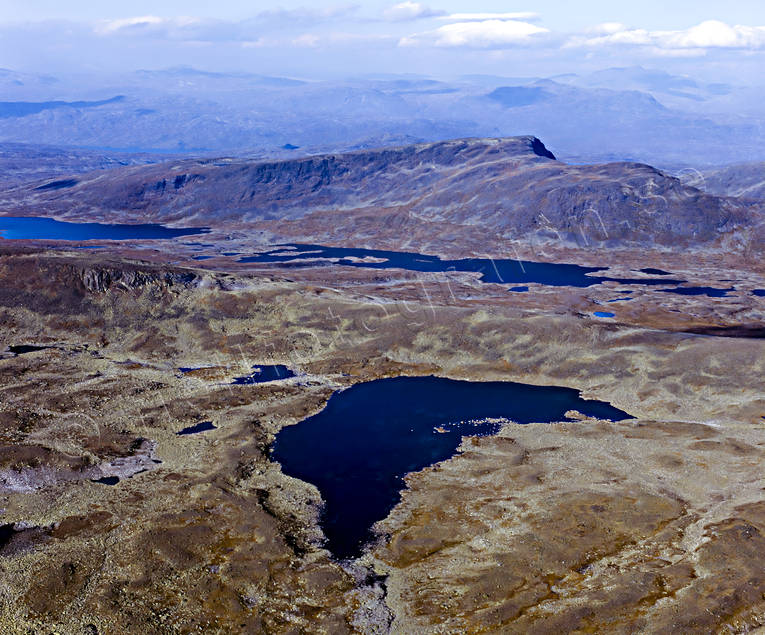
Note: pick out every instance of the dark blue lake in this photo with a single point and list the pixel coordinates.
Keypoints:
(711, 292)
(202, 426)
(263, 373)
(491, 270)
(21, 227)
(21, 349)
(369, 436)
(107, 480)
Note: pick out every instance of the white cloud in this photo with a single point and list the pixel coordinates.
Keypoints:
(316, 40)
(287, 17)
(715, 34)
(608, 28)
(142, 23)
(479, 34)
(677, 53)
(187, 29)
(711, 34)
(279, 29)
(307, 40)
(343, 28)
(256, 44)
(406, 11)
(263, 25)
(480, 17)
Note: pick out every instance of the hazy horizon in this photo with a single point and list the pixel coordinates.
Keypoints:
(673, 85)
(313, 40)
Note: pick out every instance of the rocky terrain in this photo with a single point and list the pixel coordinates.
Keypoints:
(651, 525)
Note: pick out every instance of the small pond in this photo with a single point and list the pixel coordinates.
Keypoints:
(202, 426)
(107, 480)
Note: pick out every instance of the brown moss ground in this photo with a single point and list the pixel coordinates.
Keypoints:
(644, 526)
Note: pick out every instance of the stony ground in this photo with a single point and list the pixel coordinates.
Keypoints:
(650, 525)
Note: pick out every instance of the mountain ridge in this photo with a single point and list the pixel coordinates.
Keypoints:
(505, 188)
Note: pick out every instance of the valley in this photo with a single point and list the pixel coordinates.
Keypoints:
(175, 364)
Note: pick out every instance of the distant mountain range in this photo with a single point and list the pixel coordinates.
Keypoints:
(24, 162)
(614, 115)
(445, 193)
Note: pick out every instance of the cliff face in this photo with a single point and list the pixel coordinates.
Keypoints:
(103, 279)
(512, 187)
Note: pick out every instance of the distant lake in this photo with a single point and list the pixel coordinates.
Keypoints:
(263, 373)
(492, 270)
(712, 292)
(32, 227)
(369, 436)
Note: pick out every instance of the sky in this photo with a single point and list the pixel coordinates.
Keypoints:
(439, 38)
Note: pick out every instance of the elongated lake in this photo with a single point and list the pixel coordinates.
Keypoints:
(368, 437)
(492, 270)
(35, 227)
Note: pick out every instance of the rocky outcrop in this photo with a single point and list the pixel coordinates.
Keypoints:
(99, 280)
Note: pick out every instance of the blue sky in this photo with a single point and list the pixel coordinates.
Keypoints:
(440, 38)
